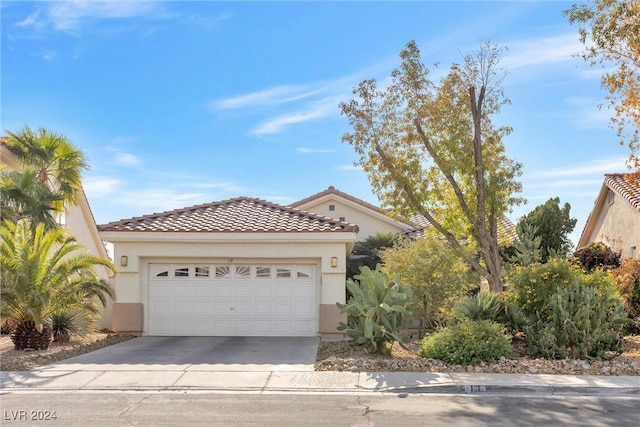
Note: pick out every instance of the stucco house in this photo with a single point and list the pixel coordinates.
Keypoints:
(243, 266)
(615, 218)
(79, 222)
(370, 219)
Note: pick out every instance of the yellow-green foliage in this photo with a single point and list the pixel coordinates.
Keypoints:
(434, 271)
(531, 287)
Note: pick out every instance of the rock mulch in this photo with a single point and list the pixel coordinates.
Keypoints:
(25, 360)
(342, 356)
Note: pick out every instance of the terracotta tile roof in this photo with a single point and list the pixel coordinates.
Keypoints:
(333, 191)
(239, 215)
(505, 227)
(625, 189)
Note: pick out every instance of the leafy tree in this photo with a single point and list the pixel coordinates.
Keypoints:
(431, 149)
(367, 252)
(23, 197)
(610, 30)
(57, 162)
(41, 272)
(553, 225)
(436, 273)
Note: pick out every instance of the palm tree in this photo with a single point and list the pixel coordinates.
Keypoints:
(58, 163)
(43, 272)
(23, 197)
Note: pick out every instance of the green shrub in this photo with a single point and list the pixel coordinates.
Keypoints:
(530, 287)
(467, 342)
(375, 311)
(490, 306)
(67, 322)
(579, 324)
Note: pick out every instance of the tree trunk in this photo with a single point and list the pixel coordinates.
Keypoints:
(28, 336)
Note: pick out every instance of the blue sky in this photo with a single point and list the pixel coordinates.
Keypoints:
(178, 103)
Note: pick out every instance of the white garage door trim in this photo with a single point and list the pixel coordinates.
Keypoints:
(200, 299)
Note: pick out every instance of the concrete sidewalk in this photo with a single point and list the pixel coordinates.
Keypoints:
(168, 379)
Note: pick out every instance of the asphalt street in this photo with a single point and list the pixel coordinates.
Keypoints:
(323, 409)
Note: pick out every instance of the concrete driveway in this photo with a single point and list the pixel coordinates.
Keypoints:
(199, 354)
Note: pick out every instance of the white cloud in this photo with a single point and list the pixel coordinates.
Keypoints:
(68, 15)
(158, 199)
(313, 150)
(600, 166)
(271, 96)
(541, 51)
(315, 111)
(349, 168)
(100, 186)
(126, 159)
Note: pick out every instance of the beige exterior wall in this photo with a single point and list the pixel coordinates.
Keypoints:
(368, 221)
(617, 225)
(131, 284)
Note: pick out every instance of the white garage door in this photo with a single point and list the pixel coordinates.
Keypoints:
(232, 300)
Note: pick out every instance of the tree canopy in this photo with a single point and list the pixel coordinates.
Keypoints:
(553, 224)
(431, 148)
(57, 163)
(610, 31)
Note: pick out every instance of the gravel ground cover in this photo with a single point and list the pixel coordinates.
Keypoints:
(342, 356)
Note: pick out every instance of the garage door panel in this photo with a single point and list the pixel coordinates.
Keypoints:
(160, 290)
(182, 290)
(262, 290)
(225, 300)
(201, 326)
(161, 308)
(201, 290)
(201, 308)
(242, 290)
(182, 308)
(262, 308)
(242, 327)
(283, 290)
(242, 308)
(304, 290)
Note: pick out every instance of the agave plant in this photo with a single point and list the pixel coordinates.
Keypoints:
(43, 272)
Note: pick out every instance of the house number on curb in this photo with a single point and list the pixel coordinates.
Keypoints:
(474, 388)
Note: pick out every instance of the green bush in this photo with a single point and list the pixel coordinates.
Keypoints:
(580, 323)
(490, 306)
(376, 310)
(467, 342)
(530, 287)
(67, 322)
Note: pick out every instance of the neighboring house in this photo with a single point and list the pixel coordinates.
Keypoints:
(506, 229)
(615, 218)
(79, 222)
(238, 267)
(370, 219)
